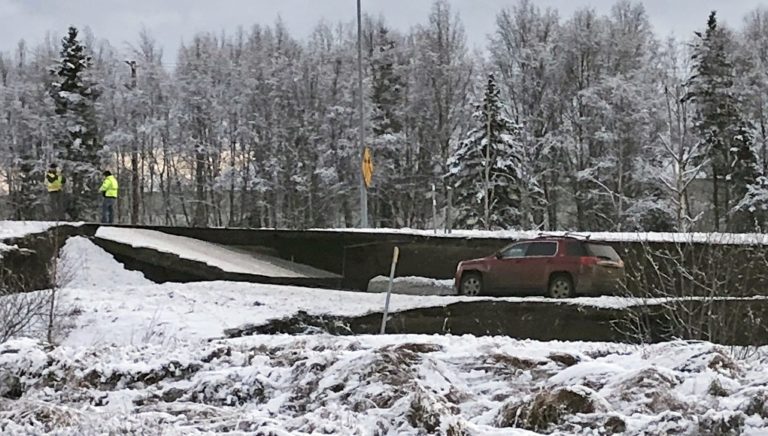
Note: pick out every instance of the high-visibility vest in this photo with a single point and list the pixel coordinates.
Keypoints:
(54, 181)
(109, 187)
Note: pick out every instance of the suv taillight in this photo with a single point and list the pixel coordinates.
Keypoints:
(589, 260)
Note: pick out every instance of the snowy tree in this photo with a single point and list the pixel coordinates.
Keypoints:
(752, 77)
(74, 95)
(525, 51)
(683, 154)
(439, 86)
(259, 128)
(26, 129)
(752, 209)
(621, 134)
(744, 182)
(719, 121)
(485, 171)
(387, 95)
(581, 65)
(15, 133)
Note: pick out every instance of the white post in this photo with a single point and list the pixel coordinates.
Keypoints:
(434, 208)
(449, 210)
(395, 256)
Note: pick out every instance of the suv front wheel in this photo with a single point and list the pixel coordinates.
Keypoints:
(471, 285)
(560, 286)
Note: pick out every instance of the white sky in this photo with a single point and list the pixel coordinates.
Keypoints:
(173, 21)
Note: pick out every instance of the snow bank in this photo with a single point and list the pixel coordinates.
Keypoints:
(83, 264)
(391, 384)
(18, 229)
(412, 286)
(5, 247)
(196, 250)
(198, 311)
(704, 238)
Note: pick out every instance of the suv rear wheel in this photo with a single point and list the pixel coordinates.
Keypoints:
(560, 286)
(471, 285)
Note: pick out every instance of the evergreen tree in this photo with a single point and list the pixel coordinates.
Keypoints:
(387, 96)
(77, 146)
(744, 182)
(485, 172)
(720, 124)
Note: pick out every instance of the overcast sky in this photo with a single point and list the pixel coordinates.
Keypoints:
(172, 21)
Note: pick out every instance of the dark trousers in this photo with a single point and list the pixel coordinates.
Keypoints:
(56, 199)
(108, 210)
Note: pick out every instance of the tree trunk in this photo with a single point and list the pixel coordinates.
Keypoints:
(201, 214)
(135, 195)
(715, 202)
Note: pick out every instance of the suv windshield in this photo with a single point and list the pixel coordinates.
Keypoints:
(603, 251)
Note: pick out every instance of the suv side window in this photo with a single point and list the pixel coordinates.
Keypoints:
(538, 249)
(515, 251)
(575, 249)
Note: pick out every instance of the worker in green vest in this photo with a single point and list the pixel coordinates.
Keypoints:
(54, 181)
(109, 191)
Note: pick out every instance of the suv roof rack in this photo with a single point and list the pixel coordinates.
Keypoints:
(569, 235)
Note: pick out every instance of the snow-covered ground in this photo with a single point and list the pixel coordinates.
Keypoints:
(215, 255)
(18, 229)
(412, 286)
(382, 385)
(142, 358)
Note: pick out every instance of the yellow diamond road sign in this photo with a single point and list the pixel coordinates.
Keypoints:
(367, 167)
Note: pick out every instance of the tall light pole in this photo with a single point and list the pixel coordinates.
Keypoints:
(363, 189)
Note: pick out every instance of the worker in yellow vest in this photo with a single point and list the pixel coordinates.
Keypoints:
(54, 181)
(109, 191)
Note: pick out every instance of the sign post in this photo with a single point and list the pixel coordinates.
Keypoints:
(361, 138)
(395, 256)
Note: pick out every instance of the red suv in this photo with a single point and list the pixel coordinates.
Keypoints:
(560, 267)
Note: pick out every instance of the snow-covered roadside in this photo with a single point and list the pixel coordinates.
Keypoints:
(139, 360)
(121, 307)
(394, 384)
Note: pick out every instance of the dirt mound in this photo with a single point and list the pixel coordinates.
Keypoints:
(757, 404)
(10, 386)
(721, 423)
(564, 359)
(649, 390)
(548, 408)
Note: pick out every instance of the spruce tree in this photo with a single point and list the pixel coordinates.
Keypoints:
(720, 124)
(77, 147)
(485, 170)
(744, 181)
(387, 97)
